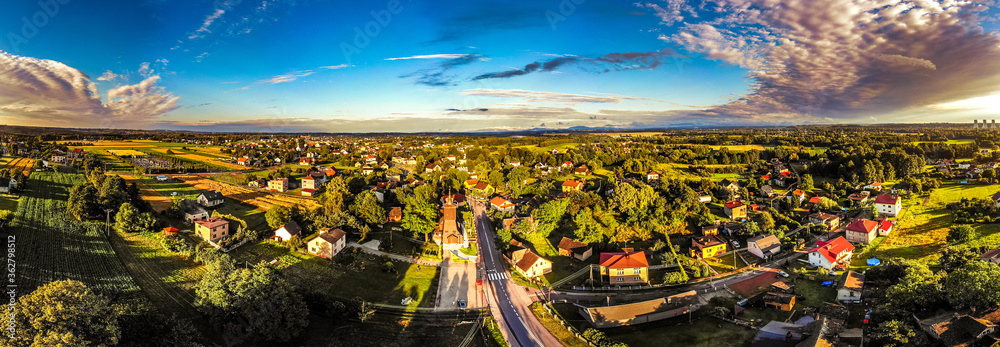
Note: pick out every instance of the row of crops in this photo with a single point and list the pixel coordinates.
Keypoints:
(51, 245)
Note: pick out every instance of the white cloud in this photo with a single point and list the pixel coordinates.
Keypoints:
(430, 56)
(40, 91)
(108, 76)
(845, 59)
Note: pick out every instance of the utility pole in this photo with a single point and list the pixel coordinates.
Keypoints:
(107, 222)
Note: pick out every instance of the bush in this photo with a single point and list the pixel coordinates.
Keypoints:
(960, 234)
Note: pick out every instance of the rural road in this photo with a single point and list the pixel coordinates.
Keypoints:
(510, 300)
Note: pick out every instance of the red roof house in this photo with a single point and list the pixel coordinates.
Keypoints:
(861, 231)
(830, 254)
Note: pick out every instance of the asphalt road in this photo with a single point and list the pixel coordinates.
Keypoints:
(525, 329)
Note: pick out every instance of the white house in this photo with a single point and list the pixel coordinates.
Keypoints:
(286, 232)
(764, 246)
(888, 205)
(328, 243)
(851, 287)
(210, 198)
(831, 253)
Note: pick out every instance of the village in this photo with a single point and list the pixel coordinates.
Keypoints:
(590, 239)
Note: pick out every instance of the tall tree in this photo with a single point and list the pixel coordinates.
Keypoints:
(130, 220)
(63, 313)
(254, 303)
(420, 214)
(82, 202)
(277, 216)
(367, 206)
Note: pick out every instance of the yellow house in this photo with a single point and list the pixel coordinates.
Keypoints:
(625, 267)
(485, 188)
(571, 185)
(469, 184)
(707, 246)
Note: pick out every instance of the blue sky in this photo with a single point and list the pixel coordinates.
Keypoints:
(256, 65)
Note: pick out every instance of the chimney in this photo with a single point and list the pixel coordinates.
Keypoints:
(627, 250)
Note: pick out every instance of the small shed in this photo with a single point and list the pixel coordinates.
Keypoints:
(170, 231)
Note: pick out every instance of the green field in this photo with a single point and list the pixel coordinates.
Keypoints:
(922, 228)
(51, 245)
(949, 142)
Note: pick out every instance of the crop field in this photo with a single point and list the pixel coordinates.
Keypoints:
(51, 245)
(115, 144)
(249, 196)
(121, 152)
(201, 158)
(159, 201)
(22, 164)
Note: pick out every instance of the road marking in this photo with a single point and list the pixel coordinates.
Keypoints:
(496, 276)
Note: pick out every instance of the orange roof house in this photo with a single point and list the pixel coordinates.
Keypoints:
(571, 185)
(502, 204)
(625, 267)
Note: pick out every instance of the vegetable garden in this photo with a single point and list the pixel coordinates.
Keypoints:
(51, 245)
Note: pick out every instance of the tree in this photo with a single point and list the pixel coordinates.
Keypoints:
(130, 220)
(367, 206)
(976, 284)
(806, 182)
(277, 216)
(764, 220)
(420, 215)
(82, 202)
(895, 333)
(113, 192)
(254, 303)
(960, 234)
(827, 204)
(516, 178)
(63, 313)
(333, 198)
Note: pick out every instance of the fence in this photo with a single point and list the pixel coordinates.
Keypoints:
(562, 321)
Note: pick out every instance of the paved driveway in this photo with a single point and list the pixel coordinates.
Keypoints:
(458, 282)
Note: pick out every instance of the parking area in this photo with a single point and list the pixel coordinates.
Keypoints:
(458, 282)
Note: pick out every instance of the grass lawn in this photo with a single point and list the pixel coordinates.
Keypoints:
(346, 278)
(726, 263)
(922, 228)
(556, 328)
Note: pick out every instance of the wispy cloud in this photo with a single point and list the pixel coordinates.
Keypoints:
(205, 24)
(429, 56)
(336, 67)
(288, 77)
(551, 97)
(605, 63)
(437, 75)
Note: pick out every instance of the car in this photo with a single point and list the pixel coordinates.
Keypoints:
(833, 273)
(868, 316)
(461, 304)
(736, 243)
(782, 273)
(173, 193)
